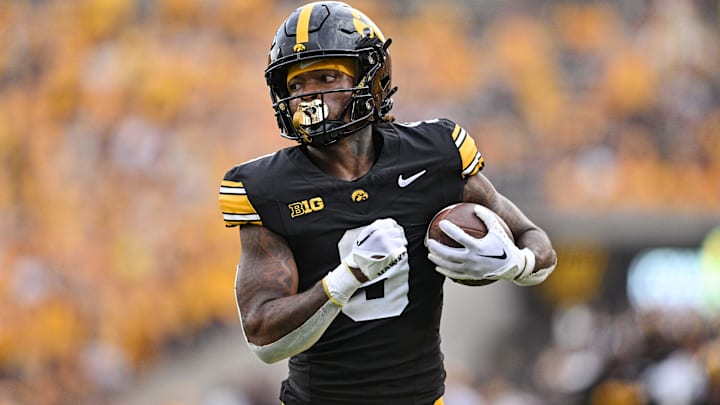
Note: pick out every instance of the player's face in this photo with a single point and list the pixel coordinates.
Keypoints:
(321, 80)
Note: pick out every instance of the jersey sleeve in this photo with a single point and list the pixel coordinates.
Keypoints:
(472, 160)
(235, 205)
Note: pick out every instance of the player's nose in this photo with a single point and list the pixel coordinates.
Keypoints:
(311, 92)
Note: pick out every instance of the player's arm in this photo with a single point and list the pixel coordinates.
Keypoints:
(526, 258)
(480, 190)
(266, 288)
(277, 320)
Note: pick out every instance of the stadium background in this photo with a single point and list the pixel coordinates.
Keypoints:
(118, 119)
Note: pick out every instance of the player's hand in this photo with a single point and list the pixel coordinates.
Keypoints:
(494, 256)
(378, 247)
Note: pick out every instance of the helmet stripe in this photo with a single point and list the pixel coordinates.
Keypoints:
(303, 25)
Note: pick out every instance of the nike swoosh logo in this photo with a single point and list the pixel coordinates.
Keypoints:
(500, 257)
(402, 182)
(304, 65)
(361, 241)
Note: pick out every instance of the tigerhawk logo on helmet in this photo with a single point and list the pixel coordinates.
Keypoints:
(324, 30)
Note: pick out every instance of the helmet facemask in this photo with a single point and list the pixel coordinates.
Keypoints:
(313, 123)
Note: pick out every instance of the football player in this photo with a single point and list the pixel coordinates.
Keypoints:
(334, 273)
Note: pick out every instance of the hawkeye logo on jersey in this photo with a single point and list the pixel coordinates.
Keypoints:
(303, 207)
(359, 195)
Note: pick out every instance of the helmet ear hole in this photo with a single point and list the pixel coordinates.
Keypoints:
(368, 105)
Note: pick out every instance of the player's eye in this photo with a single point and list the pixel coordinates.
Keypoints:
(293, 87)
(329, 77)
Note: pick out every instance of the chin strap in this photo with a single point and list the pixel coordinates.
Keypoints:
(328, 136)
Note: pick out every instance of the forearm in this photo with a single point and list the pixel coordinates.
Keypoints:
(539, 243)
(277, 320)
(275, 333)
(299, 339)
(268, 319)
(526, 234)
(283, 327)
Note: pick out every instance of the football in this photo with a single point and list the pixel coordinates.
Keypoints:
(463, 215)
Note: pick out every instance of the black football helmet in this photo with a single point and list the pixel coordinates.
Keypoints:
(331, 29)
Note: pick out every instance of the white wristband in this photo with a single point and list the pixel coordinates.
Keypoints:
(340, 284)
(528, 265)
(534, 278)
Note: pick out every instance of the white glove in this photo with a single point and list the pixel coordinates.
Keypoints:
(492, 257)
(376, 249)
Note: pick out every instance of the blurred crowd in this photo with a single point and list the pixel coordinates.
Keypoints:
(653, 357)
(585, 343)
(125, 114)
(595, 357)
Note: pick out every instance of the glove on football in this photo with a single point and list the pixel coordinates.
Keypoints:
(492, 257)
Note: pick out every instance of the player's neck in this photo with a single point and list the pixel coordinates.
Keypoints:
(348, 159)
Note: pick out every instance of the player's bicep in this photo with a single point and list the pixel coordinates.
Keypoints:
(267, 270)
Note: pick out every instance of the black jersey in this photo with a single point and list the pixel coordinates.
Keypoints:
(384, 347)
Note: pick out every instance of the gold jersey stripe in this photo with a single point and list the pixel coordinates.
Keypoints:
(236, 203)
(458, 135)
(230, 183)
(472, 161)
(474, 166)
(302, 31)
(231, 187)
(236, 206)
